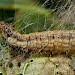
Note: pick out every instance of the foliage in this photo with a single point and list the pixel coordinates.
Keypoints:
(33, 20)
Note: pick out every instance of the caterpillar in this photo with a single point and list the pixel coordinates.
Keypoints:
(56, 41)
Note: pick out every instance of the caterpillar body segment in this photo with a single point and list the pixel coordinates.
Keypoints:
(59, 42)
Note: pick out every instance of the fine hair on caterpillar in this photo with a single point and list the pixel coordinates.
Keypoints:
(53, 42)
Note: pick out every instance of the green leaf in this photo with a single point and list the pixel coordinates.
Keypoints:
(33, 19)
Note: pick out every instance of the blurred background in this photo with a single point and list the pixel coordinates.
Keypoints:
(38, 15)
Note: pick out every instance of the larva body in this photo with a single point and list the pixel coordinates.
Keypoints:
(58, 42)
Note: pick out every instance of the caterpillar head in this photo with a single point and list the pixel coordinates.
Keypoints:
(5, 29)
(2, 24)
